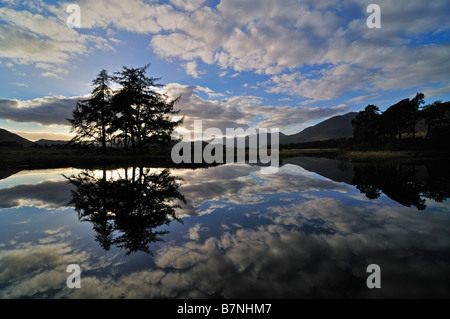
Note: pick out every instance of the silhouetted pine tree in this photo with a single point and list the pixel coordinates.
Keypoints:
(144, 114)
(91, 118)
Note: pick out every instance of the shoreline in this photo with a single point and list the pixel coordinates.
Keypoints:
(36, 158)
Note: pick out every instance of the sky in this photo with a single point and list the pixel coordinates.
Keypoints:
(285, 64)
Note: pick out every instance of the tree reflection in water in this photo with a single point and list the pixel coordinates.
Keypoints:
(125, 210)
(407, 184)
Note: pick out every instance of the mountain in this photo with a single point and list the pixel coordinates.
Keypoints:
(252, 137)
(10, 139)
(51, 142)
(335, 127)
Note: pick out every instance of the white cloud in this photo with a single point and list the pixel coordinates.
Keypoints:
(213, 113)
(191, 69)
(188, 5)
(194, 231)
(45, 134)
(314, 246)
(28, 37)
(277, 38)
(248, 36)
(254, 262)
(50, 75)
(181, 46)
(134, 16)
(315, 50)
(332, 83)
(437, 91)
(272, 38)
(209, 92)
(19, 84)
(283, 116)
(361, 98)
(228, 112)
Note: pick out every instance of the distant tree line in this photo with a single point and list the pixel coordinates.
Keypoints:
(10, 144)
(344, 142)
(399, 122)
(134, 116)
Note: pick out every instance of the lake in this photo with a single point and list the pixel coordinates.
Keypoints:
(308, 231)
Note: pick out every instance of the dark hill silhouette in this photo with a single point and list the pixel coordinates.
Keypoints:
(336, 127)
(51, 142)
(229, 140)
(8, 138)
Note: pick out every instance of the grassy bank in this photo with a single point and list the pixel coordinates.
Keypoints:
(319, 152)
(27, 158)
(385, 156)
(371, 156)
(31, 158)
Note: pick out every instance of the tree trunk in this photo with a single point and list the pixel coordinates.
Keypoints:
(103, 130)
(126, 138)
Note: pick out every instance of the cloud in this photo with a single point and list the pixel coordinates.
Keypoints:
(276, 38)
(284, 260)
(23, 266)
(437, 91)
(50, 75)
(323, 87)
(229, 112)
(280, 259)
(188, 5)
(35, 136)
(317, 245)
(242, 184)
(19, 84)
(41, 269)
(367, 68)
(191, 69)
(262, 36)
(209, 92)
(221, 183)
(316, 50)
(48, 195)
(240, 111)
(133, 16)
(213, 113)
(27, 37)
(283, 116)
(359, 99)
(45, 111)
(193, 233)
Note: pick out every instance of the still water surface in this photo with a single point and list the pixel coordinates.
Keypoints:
(228, 231)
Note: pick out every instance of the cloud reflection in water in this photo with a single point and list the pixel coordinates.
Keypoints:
(289, 235)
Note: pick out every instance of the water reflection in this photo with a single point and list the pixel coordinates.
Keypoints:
(125, 209)
(294, 234)
(409, 184)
